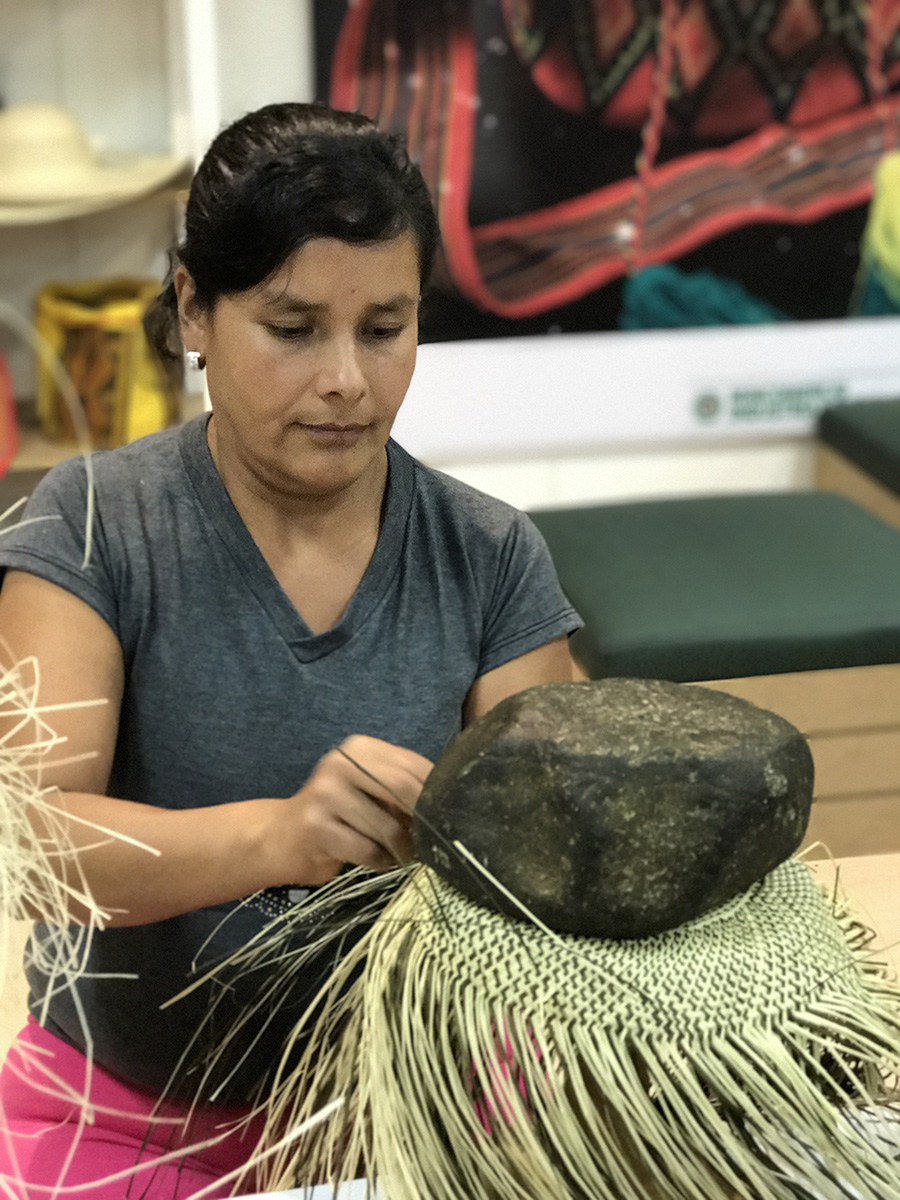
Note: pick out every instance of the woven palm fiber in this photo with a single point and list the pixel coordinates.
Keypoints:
(39, 869)
(478, 1056)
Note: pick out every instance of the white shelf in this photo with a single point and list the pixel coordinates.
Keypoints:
(158, 76)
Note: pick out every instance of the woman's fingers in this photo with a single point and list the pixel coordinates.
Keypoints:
(357, 805)
(348, 845)
(392, 774)
(382, 826)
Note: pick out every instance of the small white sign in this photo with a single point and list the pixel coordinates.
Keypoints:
(743, 406)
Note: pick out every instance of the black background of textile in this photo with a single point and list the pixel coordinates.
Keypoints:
(535, 154)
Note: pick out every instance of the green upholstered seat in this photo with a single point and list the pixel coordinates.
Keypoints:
(727, 586)
(868, 434)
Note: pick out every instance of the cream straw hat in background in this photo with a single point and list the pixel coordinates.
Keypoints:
(49, 170)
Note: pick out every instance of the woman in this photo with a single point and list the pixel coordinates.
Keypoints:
(287, 616)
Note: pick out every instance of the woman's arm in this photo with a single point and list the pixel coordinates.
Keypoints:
(205, 855)
(547, 664)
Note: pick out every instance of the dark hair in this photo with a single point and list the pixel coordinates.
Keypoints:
(277, 178)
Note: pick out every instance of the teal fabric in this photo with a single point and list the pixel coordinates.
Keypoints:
(868, 433)
(873, 299)
(728, 586)
(664, 297)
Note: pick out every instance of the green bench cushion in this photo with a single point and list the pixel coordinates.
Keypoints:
(868, 433)
(728, 586)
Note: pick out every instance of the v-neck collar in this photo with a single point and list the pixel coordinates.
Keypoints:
(227, 523)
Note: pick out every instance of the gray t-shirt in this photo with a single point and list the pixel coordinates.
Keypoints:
(228, 695)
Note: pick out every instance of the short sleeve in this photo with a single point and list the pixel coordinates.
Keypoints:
(50, 540)
(528, 607)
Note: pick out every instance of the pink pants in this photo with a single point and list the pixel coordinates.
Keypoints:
(45, 1145)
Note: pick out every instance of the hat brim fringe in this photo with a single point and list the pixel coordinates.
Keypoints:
(105, 188)
(447, 1095)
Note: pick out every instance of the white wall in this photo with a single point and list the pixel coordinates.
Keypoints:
(580, 418)
(266, 53)
(104, 59)
(639, 473)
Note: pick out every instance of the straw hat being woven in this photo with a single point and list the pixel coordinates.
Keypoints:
(460, 1052)
(50, 171)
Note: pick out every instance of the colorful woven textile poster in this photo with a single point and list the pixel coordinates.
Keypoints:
(622, 163)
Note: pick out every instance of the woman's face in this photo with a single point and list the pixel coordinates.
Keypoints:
(306, 372)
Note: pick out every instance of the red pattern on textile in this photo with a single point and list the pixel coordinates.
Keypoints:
(411, 64)
(773, 51)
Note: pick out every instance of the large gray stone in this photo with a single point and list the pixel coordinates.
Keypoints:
(617, 808)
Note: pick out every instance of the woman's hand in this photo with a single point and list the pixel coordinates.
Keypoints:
(356, 807)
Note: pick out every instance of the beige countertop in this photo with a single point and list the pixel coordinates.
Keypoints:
(872, 886)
